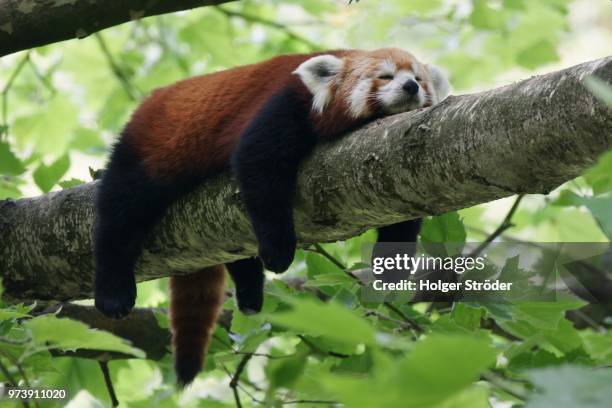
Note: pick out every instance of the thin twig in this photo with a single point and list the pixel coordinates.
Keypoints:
(318, 350)
(109, 383)
(8, 340)
(587, 319)
(238, 352)
(42, 78)
(239, 385)
(234, 382)
(12, 382)
(21, 371)
(269, 23)
(321, 251)
(6, 89)
(505, 224)
(166, 47)
(386, 318)
(132, 92)
(305, 401)
(258, 401)
(506, 386)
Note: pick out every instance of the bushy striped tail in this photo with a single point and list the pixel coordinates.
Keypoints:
(195, 303)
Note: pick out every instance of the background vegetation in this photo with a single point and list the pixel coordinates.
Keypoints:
(63, 104)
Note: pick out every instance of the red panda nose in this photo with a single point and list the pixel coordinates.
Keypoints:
(411, 87)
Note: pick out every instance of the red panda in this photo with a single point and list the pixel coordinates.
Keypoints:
(258, 120)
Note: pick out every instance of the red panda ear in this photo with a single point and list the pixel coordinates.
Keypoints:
(439, 81)
(317, 74)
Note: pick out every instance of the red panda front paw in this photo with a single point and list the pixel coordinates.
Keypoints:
(115, 303)
(277, 256)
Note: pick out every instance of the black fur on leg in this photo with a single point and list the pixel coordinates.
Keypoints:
(248, 277)
(128, 204)
(265, 163)
(407, 231)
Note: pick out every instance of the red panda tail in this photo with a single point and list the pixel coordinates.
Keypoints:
(195, 302)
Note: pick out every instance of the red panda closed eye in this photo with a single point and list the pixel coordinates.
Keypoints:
(259, 120)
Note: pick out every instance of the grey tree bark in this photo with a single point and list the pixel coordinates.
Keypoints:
(26, 24)
(527, 137)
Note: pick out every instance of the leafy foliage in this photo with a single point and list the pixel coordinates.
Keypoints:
(316, 343)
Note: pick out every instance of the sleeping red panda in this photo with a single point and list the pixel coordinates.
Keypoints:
(259, 120)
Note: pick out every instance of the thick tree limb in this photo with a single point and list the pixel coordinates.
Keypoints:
(26, 24)
(528, 137)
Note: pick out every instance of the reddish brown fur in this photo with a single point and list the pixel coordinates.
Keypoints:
(197, 122)
(195, 303)
(193, 126)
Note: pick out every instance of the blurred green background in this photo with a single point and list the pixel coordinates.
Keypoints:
(63, 105)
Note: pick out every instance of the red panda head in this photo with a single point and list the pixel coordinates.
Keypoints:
(372, 83)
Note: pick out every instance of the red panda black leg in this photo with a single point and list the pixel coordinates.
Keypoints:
(128, 204)
(265, 163)
(248, 277)
(406, 231)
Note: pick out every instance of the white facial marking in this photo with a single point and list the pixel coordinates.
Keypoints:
(395, 99)
(441, 86)
(388, 67)
(318, 74)
(358, 99)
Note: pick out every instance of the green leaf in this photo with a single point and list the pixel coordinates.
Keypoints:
(430, 381)
(319, 265)
(443, 228)
(47, 176)
(466, 316)
(599, 207)
(473, 397)
(73, 182)
(418, 6)
(283, 372)
(598, 345)
(571, 386)
(540, 53)
(67, 334)
(431, 358)
(332, 321)
(16, 311)
(9, 163)
(544, 315)
(332, 279)
(88, 141)
(514, 4)
(75, 375)
(484, 16)
(9, 188)
(600, 89)
(443, 235)
(47, 132)
(598, 176)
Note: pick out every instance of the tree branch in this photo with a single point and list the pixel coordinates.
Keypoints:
(527, 137)
(26, 24)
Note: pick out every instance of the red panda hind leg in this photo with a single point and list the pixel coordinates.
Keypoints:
(195, 302)
(128, 204)
(248, 277)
